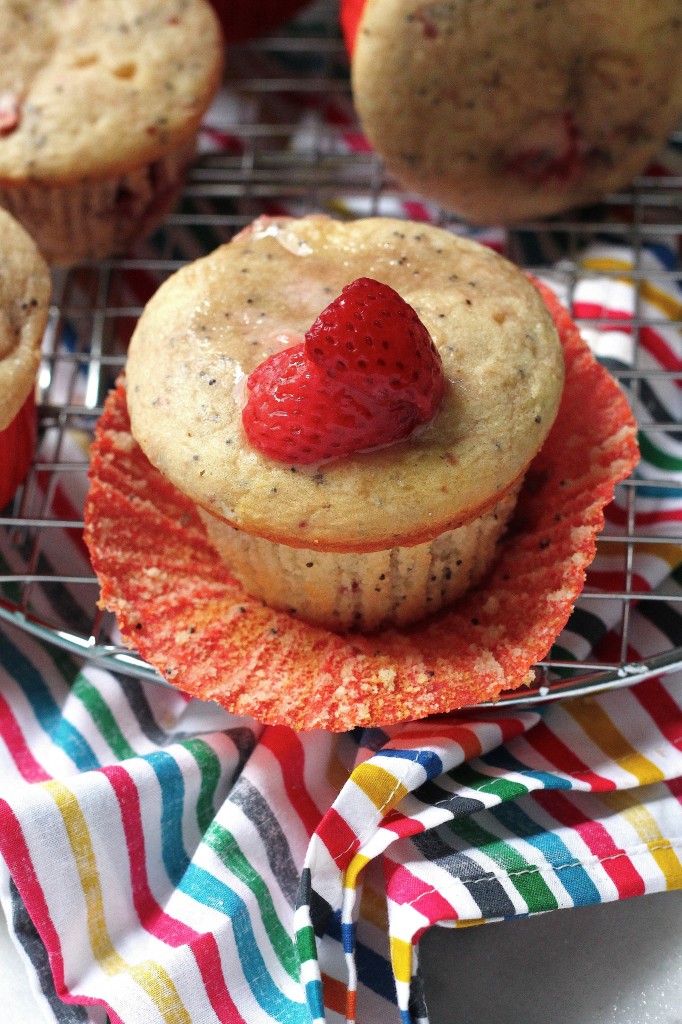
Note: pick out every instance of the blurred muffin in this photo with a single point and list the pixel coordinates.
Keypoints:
(100, 103)
(24, 302)
(503, 111)
(395, 530)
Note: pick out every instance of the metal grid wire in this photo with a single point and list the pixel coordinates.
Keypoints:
(283, 122)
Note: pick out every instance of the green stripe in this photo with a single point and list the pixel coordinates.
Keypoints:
(224, 844)
(102, 717)
(658, 458)
(209, 765)
(305, 943)
(502, 788)
(524, 876)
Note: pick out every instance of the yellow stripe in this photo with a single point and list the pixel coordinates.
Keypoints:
(401, 959)
(373, 907)
(358, 862)
(380, 786)
(646, 827)
(150, 976)
(594, 721)
(667, 304)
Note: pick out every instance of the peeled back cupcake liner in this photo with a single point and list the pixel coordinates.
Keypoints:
(89, 220)
(180, 607)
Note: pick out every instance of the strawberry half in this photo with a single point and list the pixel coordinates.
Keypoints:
(367, 374)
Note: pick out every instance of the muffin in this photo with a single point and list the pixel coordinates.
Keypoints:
(100, 104)
(503, 111)
(24, 303)
(386, 534)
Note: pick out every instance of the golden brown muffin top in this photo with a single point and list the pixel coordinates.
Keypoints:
(91, 88)
(503, 110)
(25, 289)
(215, 320)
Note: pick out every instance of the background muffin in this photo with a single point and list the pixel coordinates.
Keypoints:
(24, 304)
(502, 110)
(214, 321)
(100, 103)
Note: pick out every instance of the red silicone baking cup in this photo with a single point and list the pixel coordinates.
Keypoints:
(17, 444)
(178, 605)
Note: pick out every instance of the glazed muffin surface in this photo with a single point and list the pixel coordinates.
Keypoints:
(215, 320)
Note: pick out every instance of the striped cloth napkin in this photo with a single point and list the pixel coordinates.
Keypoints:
(165, 861)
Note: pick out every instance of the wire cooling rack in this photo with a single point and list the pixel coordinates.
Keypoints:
(282, 137)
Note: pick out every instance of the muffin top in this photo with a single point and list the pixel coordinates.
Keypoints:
(25, 290)
(210, 324)
(504, 111)
(89, 88)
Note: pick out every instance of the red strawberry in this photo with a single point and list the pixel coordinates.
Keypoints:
(372, 340)
(367, 374)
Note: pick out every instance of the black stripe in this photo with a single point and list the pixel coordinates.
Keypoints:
(665, 617)
(34, 948)
(486, 891)
(460, 806)
(320, 910)
(657, 409)
(587, 625)
(249, 800)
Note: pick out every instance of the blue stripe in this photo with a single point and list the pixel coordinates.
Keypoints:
(502, 759)
(428, 759)
(61, 732)
(205, 888)
(167, 771)
(374, 970)
(313, 994)
(658, 493)
(574, 879)
(348, 936)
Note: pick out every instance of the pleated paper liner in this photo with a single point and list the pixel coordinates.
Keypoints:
(178, 605)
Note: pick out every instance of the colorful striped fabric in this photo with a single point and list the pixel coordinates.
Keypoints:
(165, 861)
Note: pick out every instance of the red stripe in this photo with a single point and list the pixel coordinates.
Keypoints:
(16, 854)
(339, 838)
(416, 210)
(613, 859)
(561, 757)
(152, 917)
(675, 787)
(658, 703)
(402, 887)
(615, 580)
(30, 769)
(649, 338)
(402, 825)
(619, 516)
(658, 347)
(285, 745)
(453, 730)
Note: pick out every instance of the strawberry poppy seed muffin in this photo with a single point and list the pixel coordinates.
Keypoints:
(100, 104)
(504, 110)
(352, 407)
(25, 290)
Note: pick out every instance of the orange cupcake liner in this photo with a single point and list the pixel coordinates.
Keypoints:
(178, 605)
